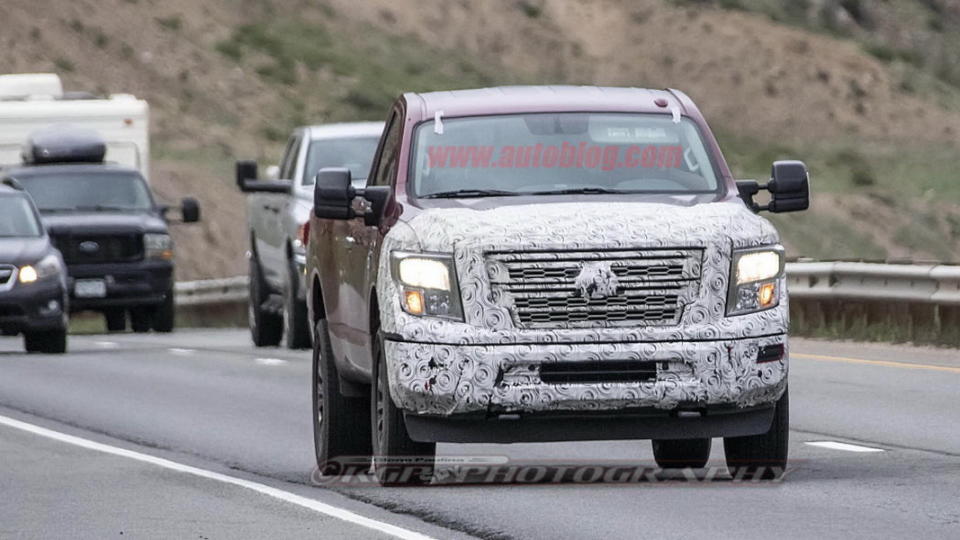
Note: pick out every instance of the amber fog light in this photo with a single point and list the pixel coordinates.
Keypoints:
(767, 295)
(413, 302)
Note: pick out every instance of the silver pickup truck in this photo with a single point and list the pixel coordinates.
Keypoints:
(278, 213)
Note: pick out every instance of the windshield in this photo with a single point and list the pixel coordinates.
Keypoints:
(561, 153)
(88, 191)
(354, 153)
(17, 218)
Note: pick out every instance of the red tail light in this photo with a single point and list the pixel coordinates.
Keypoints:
(304, 233)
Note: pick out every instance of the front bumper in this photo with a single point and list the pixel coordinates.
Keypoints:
(443, 380)
(34, 307)
(131, 284)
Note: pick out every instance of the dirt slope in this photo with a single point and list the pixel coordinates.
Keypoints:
(228, 78)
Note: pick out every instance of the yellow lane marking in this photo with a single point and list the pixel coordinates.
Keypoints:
(885, 363)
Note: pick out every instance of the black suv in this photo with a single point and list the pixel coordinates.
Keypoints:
(113, 236)
(33, 290)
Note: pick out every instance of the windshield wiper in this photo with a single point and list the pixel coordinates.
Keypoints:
(56, 210)
(576, 191)
(106, 208)
(467, 193)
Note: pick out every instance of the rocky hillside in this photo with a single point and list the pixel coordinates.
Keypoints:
(227, 79)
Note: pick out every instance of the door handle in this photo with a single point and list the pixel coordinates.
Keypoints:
(349, 239)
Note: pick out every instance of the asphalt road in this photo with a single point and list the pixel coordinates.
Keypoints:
(209, 400)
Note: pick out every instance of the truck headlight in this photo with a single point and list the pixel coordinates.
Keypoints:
(47, 267)
(754, 280)
(428, 284)
(158, 246)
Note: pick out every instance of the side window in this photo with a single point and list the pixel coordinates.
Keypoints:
(387, 160)
(289, 163)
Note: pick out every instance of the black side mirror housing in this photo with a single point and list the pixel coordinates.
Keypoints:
(245, 170)
(248, 182)
(334, 194)
(190, 210)
(789, 188)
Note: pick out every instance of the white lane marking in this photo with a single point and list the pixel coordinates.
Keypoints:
(270, 361)
(181, 352)
(107, 344)
(263, 489)
(833, 445)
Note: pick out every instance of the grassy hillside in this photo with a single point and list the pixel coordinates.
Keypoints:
(227, 79)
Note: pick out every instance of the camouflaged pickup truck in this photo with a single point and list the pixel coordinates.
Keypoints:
(545, 264)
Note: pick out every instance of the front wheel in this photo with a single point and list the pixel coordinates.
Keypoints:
(116, 320)
(341, 433)
(47, 341)
(681, 453)
(163, 317)
(296, 326)
(398, 459)
(266, 329)
(762, 456)
(140, 319)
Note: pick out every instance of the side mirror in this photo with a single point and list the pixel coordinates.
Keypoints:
(333, 196)
(789, 188)
(246, 176)
(245, 170)
(190, 210)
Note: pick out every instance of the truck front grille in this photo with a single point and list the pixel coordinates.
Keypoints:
(546, 289)
(101, 248)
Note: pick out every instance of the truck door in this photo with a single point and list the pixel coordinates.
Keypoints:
(361, 252)
(271, 244)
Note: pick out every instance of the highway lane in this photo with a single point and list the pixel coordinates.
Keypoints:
(209, 399)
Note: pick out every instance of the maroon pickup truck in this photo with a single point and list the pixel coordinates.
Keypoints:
(545, 264)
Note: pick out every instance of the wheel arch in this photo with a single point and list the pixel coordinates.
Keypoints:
(315, 303)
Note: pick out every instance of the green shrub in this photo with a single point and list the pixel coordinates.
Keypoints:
(172, 23)
(63, 64)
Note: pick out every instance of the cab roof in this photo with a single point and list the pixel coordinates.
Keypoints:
(343, 130)
(526, 99)
(19, 171)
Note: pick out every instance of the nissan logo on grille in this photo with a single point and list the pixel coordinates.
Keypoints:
(597, 280)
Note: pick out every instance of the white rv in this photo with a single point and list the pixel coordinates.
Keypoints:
(33, 101)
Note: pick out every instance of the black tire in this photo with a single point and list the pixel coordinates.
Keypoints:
(164, 316)
(266, 329)
(296, 323)
(115, 319)
(341, 425)
(681, 453)
(763, 456)
(140, 319)
(47, 341)
(397, 459)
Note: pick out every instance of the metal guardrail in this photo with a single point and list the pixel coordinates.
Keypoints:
(920, 283)
(915, 283)
(211, 291)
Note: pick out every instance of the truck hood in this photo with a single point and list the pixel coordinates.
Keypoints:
(574, 225)
(103, 222)
(20, 251)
